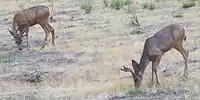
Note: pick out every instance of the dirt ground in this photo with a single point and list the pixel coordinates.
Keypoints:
(90, 50)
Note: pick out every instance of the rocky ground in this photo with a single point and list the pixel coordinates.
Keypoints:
(90, 50)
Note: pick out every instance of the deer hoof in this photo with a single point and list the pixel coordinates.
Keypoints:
(185, 78)
(28, 46)
(158, 85)
(151, 84)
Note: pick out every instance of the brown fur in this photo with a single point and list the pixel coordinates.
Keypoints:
(26, 18)
(169, 37)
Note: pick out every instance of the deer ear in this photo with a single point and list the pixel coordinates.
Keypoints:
(134, 64)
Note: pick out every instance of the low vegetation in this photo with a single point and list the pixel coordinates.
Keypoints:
(118, 4)
(136, 25)
(88, 56)
(178, 16)
(178, 93)
(136, 92)
(105, 3)
(188, 4)
(149, 5)
(7, 58)
(87, 6)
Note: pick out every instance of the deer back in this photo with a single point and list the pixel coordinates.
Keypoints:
(32, 16)
(165, 39)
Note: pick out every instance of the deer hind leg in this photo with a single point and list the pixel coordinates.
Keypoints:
(184, 53)
(52, 32)
(46, 34)
(26, 31)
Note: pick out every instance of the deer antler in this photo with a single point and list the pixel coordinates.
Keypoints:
(126, 69)
(11, 32)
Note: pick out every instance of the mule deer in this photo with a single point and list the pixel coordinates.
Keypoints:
(26, 18)
(169, 37)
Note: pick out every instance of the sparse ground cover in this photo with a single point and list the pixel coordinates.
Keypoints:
(91, 48)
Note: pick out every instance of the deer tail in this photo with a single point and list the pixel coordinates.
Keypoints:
(185, 38)
(51, 17)
(184, 33)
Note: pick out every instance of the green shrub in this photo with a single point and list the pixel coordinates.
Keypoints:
(145, 5)
(178, 16)
(105, 3)
(188, 4)
(87, 7)
(115, 4)
(118, 4)
(149, 5)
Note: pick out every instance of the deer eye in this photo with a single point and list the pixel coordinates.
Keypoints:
(18, 42)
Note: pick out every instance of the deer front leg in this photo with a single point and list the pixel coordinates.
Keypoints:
(28, 46)
(25, 30)
(46, 35)
(155, 70)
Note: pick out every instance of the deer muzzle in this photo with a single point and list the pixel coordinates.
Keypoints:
(19, 47)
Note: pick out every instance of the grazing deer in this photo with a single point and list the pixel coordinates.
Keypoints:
(26, 18)
(169, 37)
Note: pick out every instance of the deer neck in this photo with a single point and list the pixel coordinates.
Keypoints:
(14, 26)
(132, 74)
(144, 62)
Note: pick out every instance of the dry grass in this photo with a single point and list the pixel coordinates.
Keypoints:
(87, 57)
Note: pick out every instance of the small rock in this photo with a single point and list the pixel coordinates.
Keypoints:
(34, 77)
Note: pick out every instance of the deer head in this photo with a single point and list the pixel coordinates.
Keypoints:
(137, 75)
(18, 39)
